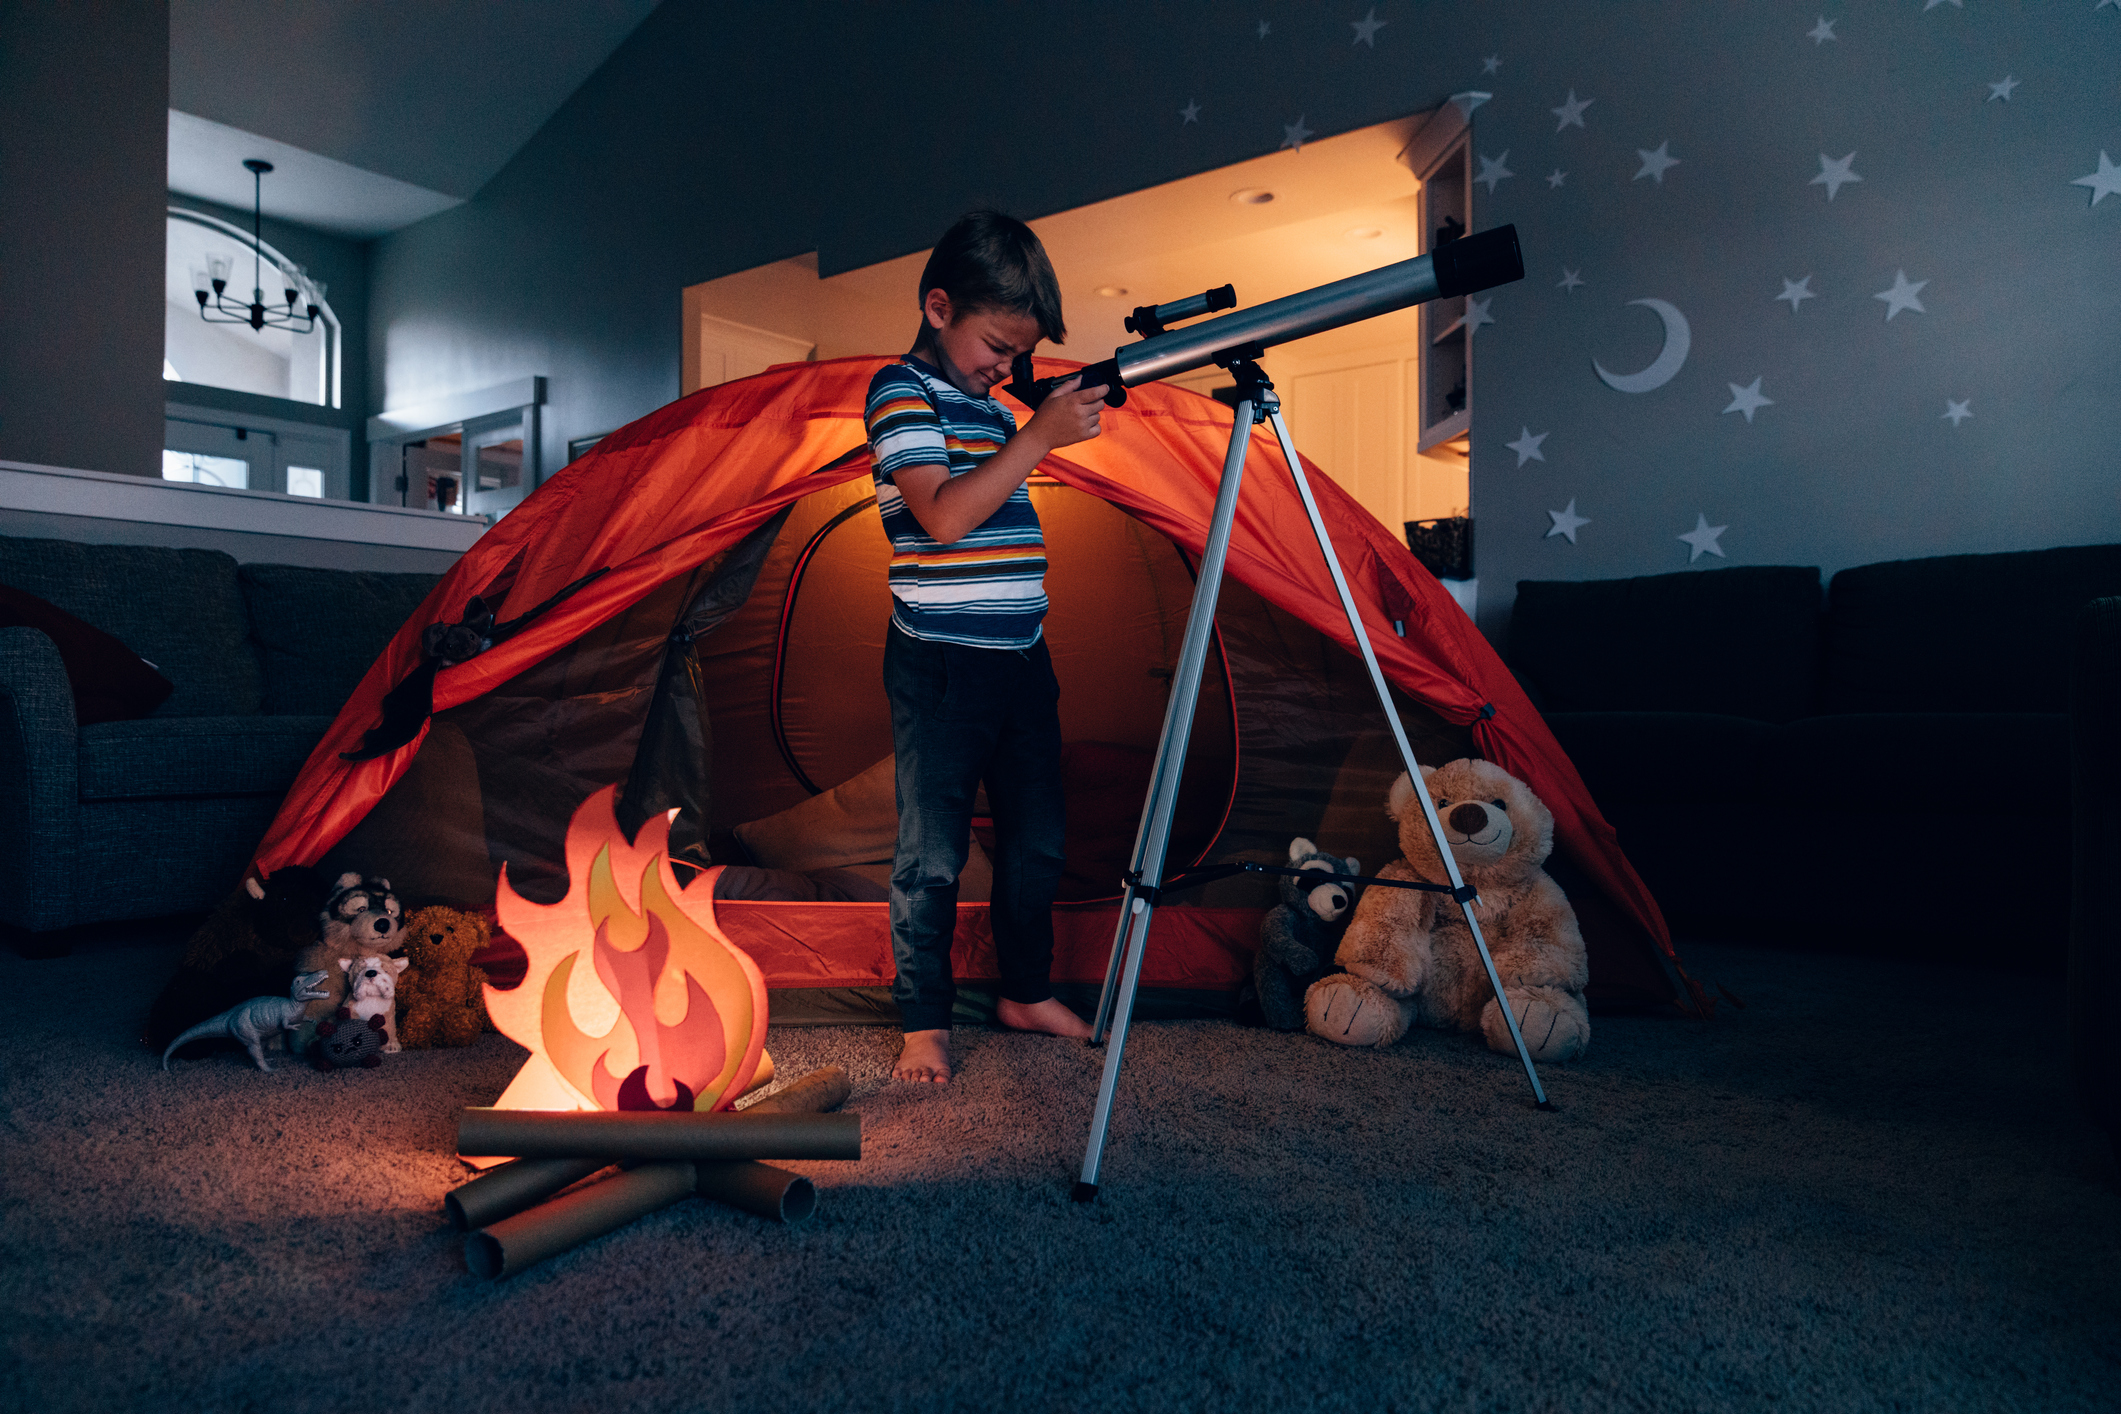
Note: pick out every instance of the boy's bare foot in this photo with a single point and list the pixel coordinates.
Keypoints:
(926, 1057)
(1050, 1017)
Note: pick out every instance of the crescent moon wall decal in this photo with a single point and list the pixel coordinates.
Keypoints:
(1678, 339)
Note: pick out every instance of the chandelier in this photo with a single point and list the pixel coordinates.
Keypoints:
(216, 308)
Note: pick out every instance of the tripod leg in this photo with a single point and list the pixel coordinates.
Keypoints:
(1116, 1007)
(1399, 735)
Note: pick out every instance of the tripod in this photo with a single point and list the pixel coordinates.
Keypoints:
(1256, 403)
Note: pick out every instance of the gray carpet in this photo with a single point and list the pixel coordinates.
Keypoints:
(1868, 1190)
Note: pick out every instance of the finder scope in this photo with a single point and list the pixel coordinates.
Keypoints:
(1461, 267)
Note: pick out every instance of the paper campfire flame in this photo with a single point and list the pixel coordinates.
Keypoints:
(668, 1016)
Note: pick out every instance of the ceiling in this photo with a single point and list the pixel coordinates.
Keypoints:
(374, 115)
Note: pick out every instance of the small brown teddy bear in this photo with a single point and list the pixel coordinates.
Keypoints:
(1409, 956)
(441, 997)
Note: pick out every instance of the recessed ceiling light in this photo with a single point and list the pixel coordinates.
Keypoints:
(1111, 291)
(1366, 233)
(1251, 196)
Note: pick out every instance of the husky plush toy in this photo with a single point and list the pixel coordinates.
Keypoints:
(361, 915)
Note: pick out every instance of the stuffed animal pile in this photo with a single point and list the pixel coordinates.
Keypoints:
(1409, 957)
(374, 980)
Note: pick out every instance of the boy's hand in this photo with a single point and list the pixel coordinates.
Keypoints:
(1068, 415)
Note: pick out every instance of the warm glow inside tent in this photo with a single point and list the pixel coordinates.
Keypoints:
(697, 612)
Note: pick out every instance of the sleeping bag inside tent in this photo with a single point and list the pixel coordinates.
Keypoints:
(695, 614)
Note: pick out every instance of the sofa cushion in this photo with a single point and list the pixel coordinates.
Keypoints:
(1740, 642)
(109, 682)
(1961, 633)
(179, 609)
(195, 756)
(1663, 758)
(1949, 763)
(319, 630)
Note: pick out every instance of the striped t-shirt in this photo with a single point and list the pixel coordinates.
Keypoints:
(988, 589)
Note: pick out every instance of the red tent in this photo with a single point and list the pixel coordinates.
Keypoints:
(660, 500)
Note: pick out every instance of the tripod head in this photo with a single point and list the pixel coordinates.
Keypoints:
(1460, 267)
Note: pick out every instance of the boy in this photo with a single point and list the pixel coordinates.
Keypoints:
(965, 663)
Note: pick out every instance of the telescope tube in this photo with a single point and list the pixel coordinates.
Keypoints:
(1460, 267)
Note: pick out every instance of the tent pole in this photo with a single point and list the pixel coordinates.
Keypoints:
(1116, 1006)
(1399, 735)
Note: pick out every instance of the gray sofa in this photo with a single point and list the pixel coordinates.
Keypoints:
(156, 817)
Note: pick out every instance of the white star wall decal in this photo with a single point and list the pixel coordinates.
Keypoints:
(1822, 32)
(1265, 29)
(1556, 177)
(1797, 292)
(1834, 175)
(1571, 111)
(1191, 112)
(1492, 171)
(1477, 314)
(1294, 134)
(1701, 539)
(1929, 5)
(2001, 89)
(1367, 27)
(1492, 64)
(1655, 164)
(1570, 279)
(2104, 182)
(1902, 295)
(1748, 399)
(1956, 410)
(1527, 446)
(1566, 522)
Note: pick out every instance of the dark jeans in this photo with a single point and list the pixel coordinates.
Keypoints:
(960, 716)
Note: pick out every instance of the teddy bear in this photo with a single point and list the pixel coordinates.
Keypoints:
(1409, 957)
(442, 997)
(246, 948)
(1297, 937)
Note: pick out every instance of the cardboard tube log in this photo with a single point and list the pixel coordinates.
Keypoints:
(512, 1244)
(513, 1187)
(816, 1093)
(658, 1134)
(769, 1192)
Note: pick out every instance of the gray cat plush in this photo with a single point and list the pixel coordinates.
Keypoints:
(258, 1020)
(1298, 936)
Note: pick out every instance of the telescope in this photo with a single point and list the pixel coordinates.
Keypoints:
(1461, 267)
(1235, 342)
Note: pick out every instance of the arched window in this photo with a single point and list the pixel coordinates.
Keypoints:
(277, 363)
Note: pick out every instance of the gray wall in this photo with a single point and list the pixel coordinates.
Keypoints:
(84, 97)
(719, 138)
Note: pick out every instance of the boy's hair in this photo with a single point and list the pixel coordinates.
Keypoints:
(992, 261)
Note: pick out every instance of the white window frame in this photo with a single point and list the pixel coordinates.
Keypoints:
(332, 359)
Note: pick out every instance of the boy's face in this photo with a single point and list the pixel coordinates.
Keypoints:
(976, 346)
